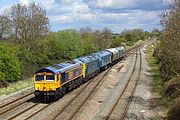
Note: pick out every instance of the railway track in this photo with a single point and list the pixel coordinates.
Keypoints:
(15, 103)
(89, 91)
(30, 111)
(131, 97)
(124, 98)
(37, 107)
(62, 114)
(77, 96)
(36, 112)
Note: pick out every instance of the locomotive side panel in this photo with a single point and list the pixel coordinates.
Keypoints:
(72, 74)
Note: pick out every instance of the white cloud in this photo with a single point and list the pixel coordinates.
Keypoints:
(48, 4)
(2, 9)
(61, 19)
(128, 4)
(83, 17)
(115, 14)
(80, 8)
(134, 15)
(112, 3)
(69, 7)
(24, 2)
(45, 3)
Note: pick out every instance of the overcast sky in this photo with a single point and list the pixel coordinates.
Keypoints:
(97, 14)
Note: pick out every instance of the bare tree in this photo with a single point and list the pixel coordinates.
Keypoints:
(105, 40)
(169, 52)
(25, 23)
(1, 27)
(100, 38)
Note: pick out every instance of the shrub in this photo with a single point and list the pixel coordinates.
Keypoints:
(173, 114)
(172, 88)
(10, 68)
(32, 57)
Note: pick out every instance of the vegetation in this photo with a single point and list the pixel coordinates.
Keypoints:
(10, 67)
(157, 82)
(26, 44)
(14, 87)
(167, 53)
(129, 37)
(23, 23)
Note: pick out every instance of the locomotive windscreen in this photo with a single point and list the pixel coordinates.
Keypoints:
(39, 77)
(49, 77)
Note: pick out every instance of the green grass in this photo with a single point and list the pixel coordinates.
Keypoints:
(14, 87)
(157, 82)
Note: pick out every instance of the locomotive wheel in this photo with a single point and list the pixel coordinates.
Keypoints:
(57, 96)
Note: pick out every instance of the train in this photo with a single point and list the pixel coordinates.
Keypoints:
(52, 82)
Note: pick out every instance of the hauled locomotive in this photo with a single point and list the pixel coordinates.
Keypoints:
(54, 81)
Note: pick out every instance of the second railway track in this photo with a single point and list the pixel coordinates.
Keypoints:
(16, 102)
(67, 112)
(120, 108)
(79, 100)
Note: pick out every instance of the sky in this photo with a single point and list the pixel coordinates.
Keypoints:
(116, 15)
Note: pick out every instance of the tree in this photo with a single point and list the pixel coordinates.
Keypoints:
(85, 30)
(117, 41)
(155, 32)
(106, 37)
(25, 23)
(169, 54)
(133, 36)
(10, 67)
(2, 26)
(102, 39)
(128, 37)
(88, 39)
(72, 42)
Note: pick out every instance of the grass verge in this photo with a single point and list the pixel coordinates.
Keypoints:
(17, 86)
(157, 84)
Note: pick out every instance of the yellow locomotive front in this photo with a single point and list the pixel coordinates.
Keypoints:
(54, 81)
(46, 85)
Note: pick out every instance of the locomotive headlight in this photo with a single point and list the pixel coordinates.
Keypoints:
(36, 88)
(52, 89)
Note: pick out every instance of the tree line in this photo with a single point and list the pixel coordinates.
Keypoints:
(27, 44)
(167, 52)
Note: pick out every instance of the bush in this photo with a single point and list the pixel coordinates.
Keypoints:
(10, 67)
(172, 88)
(57, 47)
(173, 114)
(117, 41)
(32, 57)
(72, 42)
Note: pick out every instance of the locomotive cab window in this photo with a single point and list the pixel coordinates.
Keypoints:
(49, 77)
(39, 77)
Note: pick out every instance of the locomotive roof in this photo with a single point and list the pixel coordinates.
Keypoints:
(120, 48)
(112, 50)
(86, 59)
(48, 69)
(59, 68)
(102, 53)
